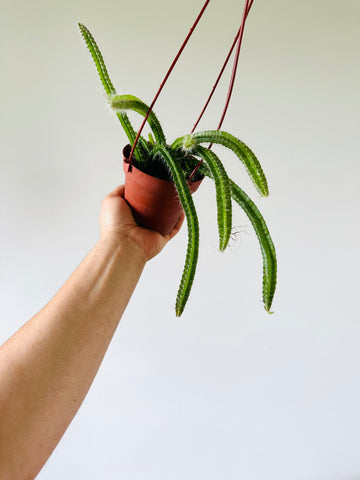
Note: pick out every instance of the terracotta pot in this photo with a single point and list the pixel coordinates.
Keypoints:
(154, 202)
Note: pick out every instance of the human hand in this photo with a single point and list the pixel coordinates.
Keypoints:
(117, 222)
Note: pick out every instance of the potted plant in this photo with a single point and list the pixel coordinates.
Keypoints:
(176, 170)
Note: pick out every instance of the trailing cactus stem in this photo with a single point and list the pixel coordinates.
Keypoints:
(266, 244)
(120, 103)
(193, 228)
(242, 151)
(223, 194)
(98, 59)
(141, 152)
(262, 232)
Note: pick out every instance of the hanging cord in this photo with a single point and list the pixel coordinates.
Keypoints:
(236, 61)
(238, 40)
(168, 74)
(221, 73)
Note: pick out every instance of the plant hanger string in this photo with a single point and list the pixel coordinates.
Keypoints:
(238, 41)
(221, 72)
(168, 74)
(236, 61)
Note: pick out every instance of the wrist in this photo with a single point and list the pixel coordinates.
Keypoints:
(116, 242)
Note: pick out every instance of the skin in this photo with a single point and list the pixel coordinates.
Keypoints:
(47, 367)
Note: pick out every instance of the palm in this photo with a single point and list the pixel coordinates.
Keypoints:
(116, 218)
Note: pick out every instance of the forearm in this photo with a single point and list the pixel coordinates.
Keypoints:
(47, 367)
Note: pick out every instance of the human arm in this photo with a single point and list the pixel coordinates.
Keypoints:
(47, 367)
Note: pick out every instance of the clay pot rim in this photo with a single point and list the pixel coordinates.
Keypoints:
(126, 152)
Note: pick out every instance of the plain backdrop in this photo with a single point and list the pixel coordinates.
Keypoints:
(226, 391)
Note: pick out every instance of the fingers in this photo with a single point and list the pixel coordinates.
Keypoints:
(176, 229)
(118, 191)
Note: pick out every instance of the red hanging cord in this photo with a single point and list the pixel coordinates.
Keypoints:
(236, 61)
(168, 74)
(221, 73)
(238, 39)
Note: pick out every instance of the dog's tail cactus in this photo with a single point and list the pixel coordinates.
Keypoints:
(177, 161)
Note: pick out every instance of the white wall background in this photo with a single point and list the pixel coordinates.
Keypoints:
(226, 391)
